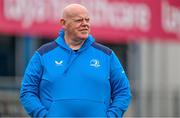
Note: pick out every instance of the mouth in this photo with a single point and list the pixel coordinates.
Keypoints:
(83, 30)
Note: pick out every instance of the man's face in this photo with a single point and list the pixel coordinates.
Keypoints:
(78, 26)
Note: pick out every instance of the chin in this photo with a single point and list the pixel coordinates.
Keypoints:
(83, 37)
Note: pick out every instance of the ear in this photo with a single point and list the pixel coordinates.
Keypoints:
(62, 22)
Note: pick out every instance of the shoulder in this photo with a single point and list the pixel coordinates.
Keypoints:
(47, 47)
(102, 48)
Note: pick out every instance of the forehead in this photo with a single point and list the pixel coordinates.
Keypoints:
(75, 10)
(79, 13)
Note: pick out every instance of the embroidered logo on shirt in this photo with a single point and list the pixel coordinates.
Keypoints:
(59, 63)
(95, 63)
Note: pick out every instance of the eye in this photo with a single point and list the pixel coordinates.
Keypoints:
(79, 20)
(87, 19)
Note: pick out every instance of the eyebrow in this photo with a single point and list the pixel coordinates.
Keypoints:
(81, 17)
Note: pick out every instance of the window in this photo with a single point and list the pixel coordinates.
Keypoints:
(7, 56)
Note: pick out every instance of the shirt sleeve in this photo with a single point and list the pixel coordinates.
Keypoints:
(29, 93)
(120, 89)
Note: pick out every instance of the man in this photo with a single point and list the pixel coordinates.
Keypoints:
(74, 76)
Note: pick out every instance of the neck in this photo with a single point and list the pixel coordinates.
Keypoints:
(74, 44)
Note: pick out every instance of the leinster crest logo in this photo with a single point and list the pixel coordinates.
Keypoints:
(95, 63)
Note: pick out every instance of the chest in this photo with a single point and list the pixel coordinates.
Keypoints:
(76, 66)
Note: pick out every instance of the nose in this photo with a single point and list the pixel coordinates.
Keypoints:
(85, 24)
(84, 21)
